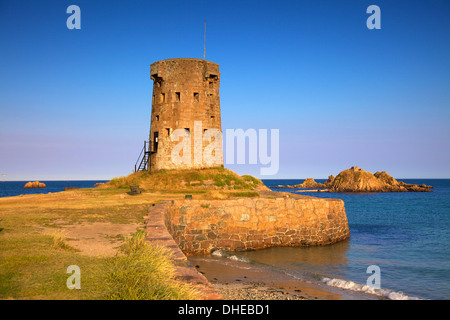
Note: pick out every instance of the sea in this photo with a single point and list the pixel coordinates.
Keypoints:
(15, 188)
(405, 235)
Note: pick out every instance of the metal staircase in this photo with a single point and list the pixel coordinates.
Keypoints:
(142, 161)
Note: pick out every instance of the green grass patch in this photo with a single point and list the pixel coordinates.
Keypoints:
(172, 180)
(144, 272)
(245, 194)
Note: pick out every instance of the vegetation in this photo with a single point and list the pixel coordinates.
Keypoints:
(59, 241)
(144, 272)
(176, 180)
(42, 234)
(36, 245)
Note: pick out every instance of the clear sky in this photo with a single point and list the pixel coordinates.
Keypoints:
(75, 104)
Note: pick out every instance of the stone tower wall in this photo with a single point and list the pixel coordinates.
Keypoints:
(184, 91)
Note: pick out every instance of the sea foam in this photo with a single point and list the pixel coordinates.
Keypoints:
(354, 286)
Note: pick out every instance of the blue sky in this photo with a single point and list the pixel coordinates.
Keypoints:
(75, 104)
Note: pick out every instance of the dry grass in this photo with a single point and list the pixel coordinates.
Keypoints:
(187, 180)
(35, 248)
(60, 241)
(144, 272)
(39, 232)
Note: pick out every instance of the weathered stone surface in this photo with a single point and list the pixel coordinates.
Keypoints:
(359, 180)
(34, 185)
(158, 234)
(299, 222)
(184, 91)
(309, 183)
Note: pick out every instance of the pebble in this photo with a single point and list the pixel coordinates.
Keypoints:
(254, 292)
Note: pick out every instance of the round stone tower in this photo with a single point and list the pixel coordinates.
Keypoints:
(185, 105)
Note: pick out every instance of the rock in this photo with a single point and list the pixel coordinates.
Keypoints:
(34, 185)
(359, 180)
(309, 183)
(70, 188)
(356, 179)
(385, 177)
(329, 182)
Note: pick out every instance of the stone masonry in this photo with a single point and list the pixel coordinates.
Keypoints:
(157, 234)
(201, 226)
(185, 91)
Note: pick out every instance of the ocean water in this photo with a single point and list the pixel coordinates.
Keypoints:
(407, 235)
(15, 188)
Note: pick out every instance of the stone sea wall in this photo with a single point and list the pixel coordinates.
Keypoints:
(157, 234)
(201, 226)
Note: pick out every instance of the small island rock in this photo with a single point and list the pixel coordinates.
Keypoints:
(359, 180)
(34, 185)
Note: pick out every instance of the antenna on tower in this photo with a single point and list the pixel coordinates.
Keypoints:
(204, 43)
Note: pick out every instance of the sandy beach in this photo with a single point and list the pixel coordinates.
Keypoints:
(237, 280)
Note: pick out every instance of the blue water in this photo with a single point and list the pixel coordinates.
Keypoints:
(406, 234)
(15, 188)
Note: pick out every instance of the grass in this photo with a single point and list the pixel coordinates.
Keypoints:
(176, 180)
(59, 240)
(144, 272)
(245, 194)
(35, 251)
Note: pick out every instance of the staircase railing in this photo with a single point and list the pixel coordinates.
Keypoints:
(142, 158)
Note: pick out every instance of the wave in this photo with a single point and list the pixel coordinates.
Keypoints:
(219, 253)
(314, 277)
(354, 286)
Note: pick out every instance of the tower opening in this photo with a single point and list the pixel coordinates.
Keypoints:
(155, 141)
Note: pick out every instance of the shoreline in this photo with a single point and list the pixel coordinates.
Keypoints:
(238, 280)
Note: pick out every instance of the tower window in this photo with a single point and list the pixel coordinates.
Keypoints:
(157, 118)
(155, 141)
(212, 118)
(196, 96)
(177, 96)
(163, 97)
(168, 131)
(211, 84)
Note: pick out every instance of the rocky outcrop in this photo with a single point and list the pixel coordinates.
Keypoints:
(309, 183)
(330, 181)
(359, 180)
(34, 185)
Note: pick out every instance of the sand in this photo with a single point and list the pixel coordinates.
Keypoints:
(243, 281)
